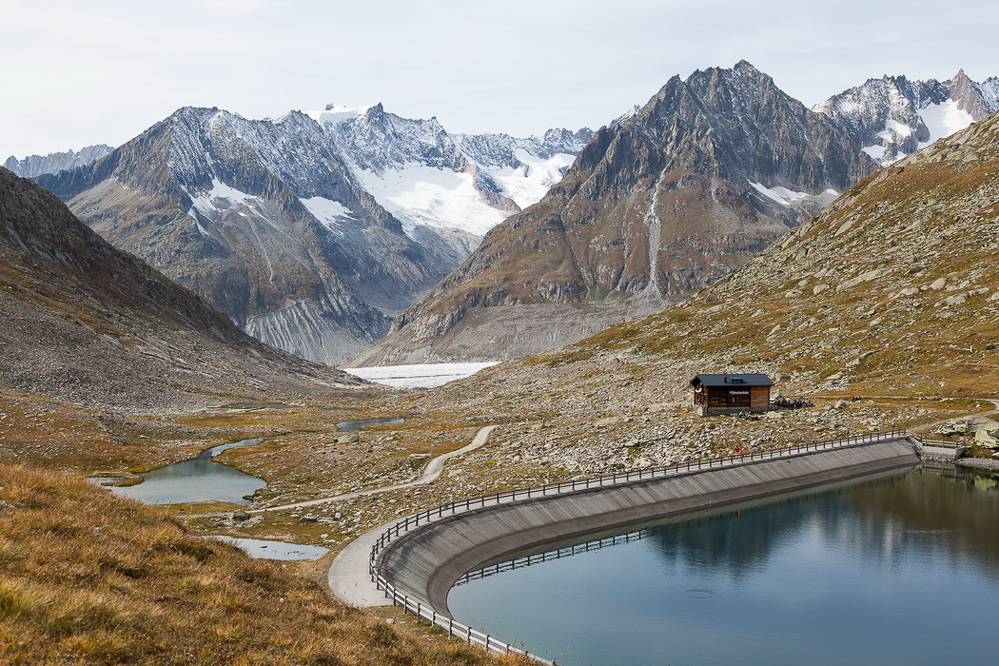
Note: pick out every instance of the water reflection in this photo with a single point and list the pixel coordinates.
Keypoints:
(870, 572)
(354, 425)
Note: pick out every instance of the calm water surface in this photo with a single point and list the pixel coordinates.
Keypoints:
(898, 570)
(354, 425)
(197, 480)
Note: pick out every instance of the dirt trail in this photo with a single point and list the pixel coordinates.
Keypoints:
(431, 473)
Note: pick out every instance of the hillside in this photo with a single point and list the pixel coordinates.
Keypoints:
(891, 293)
(91, 325)
(672, 198)
(88, 578)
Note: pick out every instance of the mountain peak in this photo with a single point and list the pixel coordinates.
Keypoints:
(334, 113)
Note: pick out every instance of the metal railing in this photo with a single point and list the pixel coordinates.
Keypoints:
(454, 629)
(940, 443)
(452, 508)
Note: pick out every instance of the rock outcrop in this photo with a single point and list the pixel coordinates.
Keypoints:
(36, 165)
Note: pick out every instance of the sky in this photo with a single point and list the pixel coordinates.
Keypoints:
(79, 73)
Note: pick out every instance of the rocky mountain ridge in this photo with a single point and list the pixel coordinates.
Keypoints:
(36, 165)
(89, 324)
(892, 117)
(279, 223)
(666, 201)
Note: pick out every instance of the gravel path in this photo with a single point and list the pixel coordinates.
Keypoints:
(348, 575)
(431, 473)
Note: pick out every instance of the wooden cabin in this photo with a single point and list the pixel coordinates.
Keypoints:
(730, 394)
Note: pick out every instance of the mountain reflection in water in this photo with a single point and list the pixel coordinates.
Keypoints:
(860, 572)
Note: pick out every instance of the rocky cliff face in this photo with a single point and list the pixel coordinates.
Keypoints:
(664, 202)
(892, 288)
(280, 223)
(89, 324)
(892, 117)
(35, 165)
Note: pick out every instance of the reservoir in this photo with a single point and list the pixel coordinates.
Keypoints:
(896, 569)
(197, 480)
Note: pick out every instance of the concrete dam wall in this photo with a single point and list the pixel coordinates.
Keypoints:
(426, 562)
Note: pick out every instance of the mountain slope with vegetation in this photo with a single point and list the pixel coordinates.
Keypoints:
(91, 325)
(890, 294)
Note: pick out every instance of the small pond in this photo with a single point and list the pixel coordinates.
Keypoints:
(269, 549)
(354, 425)
(198, 480)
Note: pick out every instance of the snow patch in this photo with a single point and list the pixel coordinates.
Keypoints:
(334, 114)
(529, 182)
(220, 197)
(894, 128)
(330, 213)
(876, 152)
(423, 195)
(422, 375)
(943, 120)
(781, 195)
(846, 106)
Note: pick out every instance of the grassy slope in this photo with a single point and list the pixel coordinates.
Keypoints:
(89, 578)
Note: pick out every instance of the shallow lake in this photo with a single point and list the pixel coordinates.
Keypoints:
(354, 425)
(901, 569)
(269, 549)
(197, 480)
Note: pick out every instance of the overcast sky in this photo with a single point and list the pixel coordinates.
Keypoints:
(80, 72)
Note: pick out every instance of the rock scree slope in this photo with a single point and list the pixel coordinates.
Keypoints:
(89, 324)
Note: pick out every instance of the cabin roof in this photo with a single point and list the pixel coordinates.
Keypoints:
(731, 381)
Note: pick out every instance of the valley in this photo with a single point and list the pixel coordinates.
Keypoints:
(881, 308)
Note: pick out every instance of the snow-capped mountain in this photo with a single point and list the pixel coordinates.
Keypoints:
(524, 169)
(427, 177)
(657, 205)
(35, 165)
(892, 117)
(311, 231)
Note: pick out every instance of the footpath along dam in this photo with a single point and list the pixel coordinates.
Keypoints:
(418, 559)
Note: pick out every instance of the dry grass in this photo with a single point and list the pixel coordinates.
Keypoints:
(89, 578)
